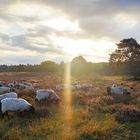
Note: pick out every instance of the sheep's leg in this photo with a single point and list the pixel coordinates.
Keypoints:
(19, 113)
(5, 114)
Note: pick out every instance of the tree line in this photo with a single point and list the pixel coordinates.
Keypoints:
(79, 66)
(125, 60)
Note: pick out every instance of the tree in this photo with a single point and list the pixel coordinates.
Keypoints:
(49, 66)
(126, 58)
(79, 66)
(78, 60)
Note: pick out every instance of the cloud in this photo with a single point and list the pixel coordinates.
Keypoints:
(22, 42)
(35, 26)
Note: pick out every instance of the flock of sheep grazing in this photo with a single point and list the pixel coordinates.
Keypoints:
(10, 101)
(74, 86)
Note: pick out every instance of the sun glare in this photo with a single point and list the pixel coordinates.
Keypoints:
(84, 47)
(62, 24)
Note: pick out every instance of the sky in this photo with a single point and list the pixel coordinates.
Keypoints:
(33, 31)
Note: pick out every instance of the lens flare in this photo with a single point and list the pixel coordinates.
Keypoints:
(67, 108)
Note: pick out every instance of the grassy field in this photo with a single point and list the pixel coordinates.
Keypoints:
(88, 114)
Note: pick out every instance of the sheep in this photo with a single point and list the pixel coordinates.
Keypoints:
(128, 91)
(24, 85)
(60, 87)
(35, 85)
(83, 85)
(86, 86)
(12, 84)
(74, 86)
(15, 105)
(78, 85)
(119, 90)
(29, 87)
(2, 83)
(5, 89)
(115, 89)
(8, 95)
(20, 86)
(65, 86)
(48, 94)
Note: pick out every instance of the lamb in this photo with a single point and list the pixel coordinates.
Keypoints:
(5, 89)
(48, 94)
(8, 95)
(15, 105)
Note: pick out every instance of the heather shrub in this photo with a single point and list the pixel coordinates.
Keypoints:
(128, 113)
(113, 108)
(122, 99)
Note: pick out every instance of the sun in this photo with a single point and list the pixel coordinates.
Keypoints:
(62, 24)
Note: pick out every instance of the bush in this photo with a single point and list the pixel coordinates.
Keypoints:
(128, 114)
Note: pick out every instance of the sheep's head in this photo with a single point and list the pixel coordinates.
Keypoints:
(36, 100)
(54, 97)
(108, 90)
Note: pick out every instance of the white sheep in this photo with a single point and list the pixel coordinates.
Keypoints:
(83, 85)
(2, 83)
(15, 105)
(8, 95)
(35, 85)
(12, 84)
(119, 90)
(116, 89)
(77, 86)
(86, 85)
(20, 86)
(60, 87)
(48, 94)
(5, 89)
(29, 87)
